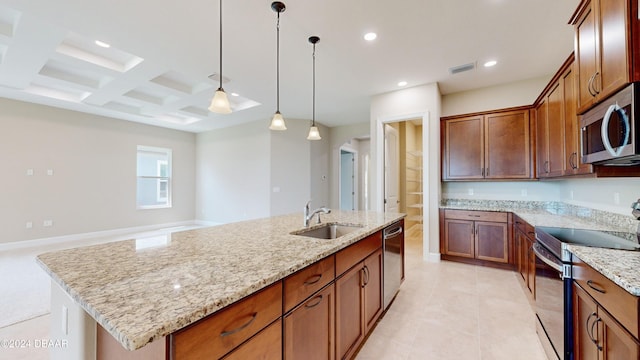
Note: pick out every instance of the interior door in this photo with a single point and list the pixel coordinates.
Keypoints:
(347, 180)
(391, 169)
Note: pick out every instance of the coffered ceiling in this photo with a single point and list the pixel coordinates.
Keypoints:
(157, 69)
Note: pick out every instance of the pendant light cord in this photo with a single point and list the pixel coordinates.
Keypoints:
(278, 64)
(313, 119)
(220, 45)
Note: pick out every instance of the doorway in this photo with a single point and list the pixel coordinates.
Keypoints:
(348, 183)
(403, 174)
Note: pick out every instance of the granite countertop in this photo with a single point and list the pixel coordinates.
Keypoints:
(620, 266)
(141, 290)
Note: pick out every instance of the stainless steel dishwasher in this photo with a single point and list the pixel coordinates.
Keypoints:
(393, 257)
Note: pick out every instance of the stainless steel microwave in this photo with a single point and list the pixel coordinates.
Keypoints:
(609, 133)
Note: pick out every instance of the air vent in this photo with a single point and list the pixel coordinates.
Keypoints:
(462, 68)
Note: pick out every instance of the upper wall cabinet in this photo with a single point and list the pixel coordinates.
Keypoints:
(606, 58)
(557, 145)
(490, 146)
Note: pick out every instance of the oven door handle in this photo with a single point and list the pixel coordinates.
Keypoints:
(604, 132)
(547, 258)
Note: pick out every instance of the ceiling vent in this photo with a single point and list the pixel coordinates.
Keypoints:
(462, 68)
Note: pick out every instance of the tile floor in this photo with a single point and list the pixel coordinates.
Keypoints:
(453, 311)
(443, 311)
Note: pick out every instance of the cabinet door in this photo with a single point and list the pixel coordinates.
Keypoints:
(614, 73)
(585, 315)
(542, 140)
(459, 238)
(586, 57)
(266, 345)
(518, 253)
(616, 342)
(309, 329)
(372, 289)
(464, 149)
(531, 268)
(573, 157)
(555, 131)
(507, 145)
(349, 316)
(491, 241)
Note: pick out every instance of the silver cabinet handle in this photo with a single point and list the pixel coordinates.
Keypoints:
(315, 278)
(240, 328)
(309, 305)
(590, 84)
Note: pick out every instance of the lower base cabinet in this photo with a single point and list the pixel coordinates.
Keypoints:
(309, 329)
(597, 335)
(265, 345)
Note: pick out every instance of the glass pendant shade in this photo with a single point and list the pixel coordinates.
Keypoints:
(277, 122)
(314, 133)
(220, 103)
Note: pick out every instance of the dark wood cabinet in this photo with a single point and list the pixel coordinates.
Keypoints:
(358, 304)
(491, 146)
(557, 131)
(597, 334)
(309, 329)
(525, 260)
(603, 48)
(572, 155)
(478, 235)
(550, 133)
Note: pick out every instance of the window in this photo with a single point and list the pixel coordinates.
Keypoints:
(154, 178)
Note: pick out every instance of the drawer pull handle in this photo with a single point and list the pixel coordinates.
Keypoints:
(309, 305)
(315, 278)
(366, 274)
(231, 332)
(475, 216)
(590, 283)
(590, 328)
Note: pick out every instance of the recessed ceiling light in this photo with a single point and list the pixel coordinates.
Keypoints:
(402, 83)
(102, 44)
(234, 94)
(370, 36)
(490, 63)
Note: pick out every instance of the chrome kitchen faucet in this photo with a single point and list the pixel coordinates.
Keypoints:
(308, 215)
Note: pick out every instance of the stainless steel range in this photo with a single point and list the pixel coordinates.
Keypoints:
(553, 281)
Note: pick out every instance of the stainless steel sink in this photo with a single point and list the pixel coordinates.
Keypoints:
(328, 231)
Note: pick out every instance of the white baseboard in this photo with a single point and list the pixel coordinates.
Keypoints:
(109, 235)
(433, 257)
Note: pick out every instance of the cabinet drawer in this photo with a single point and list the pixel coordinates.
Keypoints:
(476, 215)
(307, 281)
(266, 345)
(221, 332)
(523, 226)
(353, 254)
(617, 301)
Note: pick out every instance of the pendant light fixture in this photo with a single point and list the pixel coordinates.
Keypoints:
(314, 133)
(220, 102)
(277, 122)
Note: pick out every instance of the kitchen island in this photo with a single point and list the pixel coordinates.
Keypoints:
(140, 291)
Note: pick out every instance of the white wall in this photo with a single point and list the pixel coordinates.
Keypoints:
(290, 168)
(320, 168)
(340, 135)
(601, 193)
(519, 93)
(93, 158)
(248, 171)
(515, 190)
(234, 173)
(416, 102)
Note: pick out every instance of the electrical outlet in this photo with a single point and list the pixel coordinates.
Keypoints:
(47, 223)
(470, 191)
(29, 225)
(523, 192)
(571, 194)
(616, 198)
(50, 172)
(29, 172)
